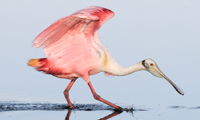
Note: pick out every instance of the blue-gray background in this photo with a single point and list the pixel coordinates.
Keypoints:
(166, 31)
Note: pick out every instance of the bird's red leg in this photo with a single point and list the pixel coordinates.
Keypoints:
(66, 93)
(97, 97)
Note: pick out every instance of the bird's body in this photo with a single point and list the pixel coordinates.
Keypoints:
(74, 50)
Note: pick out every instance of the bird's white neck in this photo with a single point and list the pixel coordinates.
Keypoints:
(118, 70)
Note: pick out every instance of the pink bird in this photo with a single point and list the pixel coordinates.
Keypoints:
(73, 50)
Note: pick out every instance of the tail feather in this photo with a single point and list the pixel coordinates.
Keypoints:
(48, 67)
(34, 63)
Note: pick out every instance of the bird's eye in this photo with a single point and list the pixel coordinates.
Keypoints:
(151, 64)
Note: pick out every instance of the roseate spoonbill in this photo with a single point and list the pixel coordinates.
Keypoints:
(74, 50)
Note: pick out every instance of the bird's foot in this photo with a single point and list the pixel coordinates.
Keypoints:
(71, 107)
(123, 109)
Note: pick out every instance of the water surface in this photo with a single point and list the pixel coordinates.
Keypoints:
(52, 111)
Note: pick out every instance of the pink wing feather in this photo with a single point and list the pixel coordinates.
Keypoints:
(70, 42)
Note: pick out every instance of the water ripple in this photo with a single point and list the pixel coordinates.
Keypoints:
(184, 107)
(10, 106)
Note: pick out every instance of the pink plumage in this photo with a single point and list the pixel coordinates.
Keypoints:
(70, 44)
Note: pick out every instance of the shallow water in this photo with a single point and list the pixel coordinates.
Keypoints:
(52, 111)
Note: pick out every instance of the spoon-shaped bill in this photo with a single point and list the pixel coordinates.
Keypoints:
(175, 87)
(172, 83)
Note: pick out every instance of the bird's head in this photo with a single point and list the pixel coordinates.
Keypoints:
(151, 66)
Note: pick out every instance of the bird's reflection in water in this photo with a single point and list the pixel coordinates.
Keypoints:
(115, 113)
(68, 115)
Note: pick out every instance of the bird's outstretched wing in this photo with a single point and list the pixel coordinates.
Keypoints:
(71, 39)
